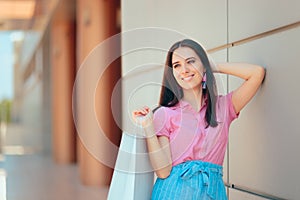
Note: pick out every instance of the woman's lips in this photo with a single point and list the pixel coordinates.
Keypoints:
(187, 78)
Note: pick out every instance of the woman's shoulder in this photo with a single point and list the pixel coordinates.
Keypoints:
(164, 111)
(161, 109)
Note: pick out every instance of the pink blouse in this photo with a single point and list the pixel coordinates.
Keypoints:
(187, 132)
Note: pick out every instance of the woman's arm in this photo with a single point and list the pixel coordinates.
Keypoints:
(158, 147)
(253, 76)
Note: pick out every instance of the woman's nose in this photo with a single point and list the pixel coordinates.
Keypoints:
(185, 68)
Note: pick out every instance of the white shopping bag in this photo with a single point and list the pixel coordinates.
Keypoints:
(133, 175)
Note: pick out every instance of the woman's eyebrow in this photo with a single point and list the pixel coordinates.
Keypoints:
(175, 63)
(190, 58)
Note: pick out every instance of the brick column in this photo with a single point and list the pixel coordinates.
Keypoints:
(62, 33)
(96, 21)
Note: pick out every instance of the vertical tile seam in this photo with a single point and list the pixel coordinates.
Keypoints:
(227, 89)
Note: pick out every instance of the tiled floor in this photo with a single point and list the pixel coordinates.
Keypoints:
(34, 176)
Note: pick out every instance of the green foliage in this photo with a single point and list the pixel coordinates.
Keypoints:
(5, 110)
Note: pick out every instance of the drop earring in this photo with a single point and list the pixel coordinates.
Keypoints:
(204, 81)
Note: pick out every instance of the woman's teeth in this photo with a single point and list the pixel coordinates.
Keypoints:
(188, 78)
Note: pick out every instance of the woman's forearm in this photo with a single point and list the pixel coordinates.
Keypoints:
(241, 70)
(253, 76)
(159, 153)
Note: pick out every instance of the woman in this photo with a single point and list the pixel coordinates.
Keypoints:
(187, 135)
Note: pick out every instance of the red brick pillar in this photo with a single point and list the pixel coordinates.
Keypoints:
(62, 44)
(96, 21)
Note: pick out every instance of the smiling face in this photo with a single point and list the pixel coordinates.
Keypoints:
(187, 68)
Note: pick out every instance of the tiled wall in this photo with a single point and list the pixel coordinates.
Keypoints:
(264, 140)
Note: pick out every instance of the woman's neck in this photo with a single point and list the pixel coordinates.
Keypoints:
(194, 97)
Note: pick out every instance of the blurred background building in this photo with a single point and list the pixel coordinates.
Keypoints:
(45, 43)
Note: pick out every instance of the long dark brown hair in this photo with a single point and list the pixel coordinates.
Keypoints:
(171, 91)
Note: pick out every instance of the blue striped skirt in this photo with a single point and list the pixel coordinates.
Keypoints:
(191, 180)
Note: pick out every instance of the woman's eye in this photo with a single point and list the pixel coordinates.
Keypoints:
(176, 65)
(191, 61)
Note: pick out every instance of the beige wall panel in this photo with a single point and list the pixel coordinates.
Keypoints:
(247, 18)
(264, 141)
(202, 20)
(140, 89)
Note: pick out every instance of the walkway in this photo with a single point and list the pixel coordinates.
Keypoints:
(34, 175)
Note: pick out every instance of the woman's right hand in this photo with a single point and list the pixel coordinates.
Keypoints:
(143, 116)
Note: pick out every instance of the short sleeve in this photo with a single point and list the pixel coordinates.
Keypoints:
(231, 114)
(226, 108)
(161, 122)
